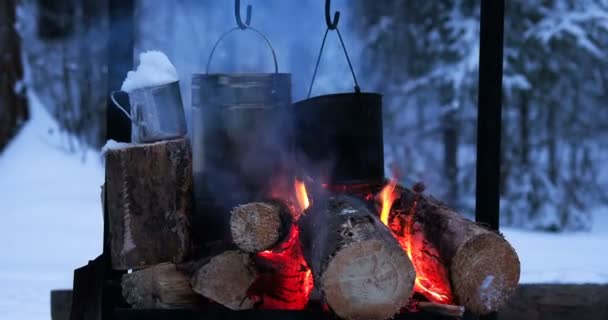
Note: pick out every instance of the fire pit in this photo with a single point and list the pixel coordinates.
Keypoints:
(312, 241)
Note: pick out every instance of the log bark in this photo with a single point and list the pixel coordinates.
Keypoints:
(149, 191)
(357, 264)
(161, 286)
(225, 279)
(259, 226)
(482, 267)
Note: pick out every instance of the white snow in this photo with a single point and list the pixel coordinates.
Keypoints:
(487, 293)
(154, 69)
(115, 145)
(569, 257)
(51, 216)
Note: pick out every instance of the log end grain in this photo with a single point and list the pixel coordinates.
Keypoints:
(256, 226)
(160, 286)
(368, 280)
(484, 273)
(225, 279)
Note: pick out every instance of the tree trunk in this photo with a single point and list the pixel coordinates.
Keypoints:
(356, 262)
(524, 116)
(483, 268)
(259, 226)
(13, 104)
(225, 279)
(450, 126)
(160, 286)
(149, 192)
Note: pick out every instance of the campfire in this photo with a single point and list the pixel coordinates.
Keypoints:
(363, 251)
(278, 206)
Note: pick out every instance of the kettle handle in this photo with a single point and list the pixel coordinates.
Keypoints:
(333, 26)
(117, 105)
(274, 56)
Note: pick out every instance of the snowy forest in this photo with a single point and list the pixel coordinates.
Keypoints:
(422, 56)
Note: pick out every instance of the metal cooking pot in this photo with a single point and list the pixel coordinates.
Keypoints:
(238, 140)
(345, 131)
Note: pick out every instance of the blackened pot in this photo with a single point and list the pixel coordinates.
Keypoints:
(343, 133)
(238, 145)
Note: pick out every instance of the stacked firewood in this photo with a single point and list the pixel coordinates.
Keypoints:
(359, 268)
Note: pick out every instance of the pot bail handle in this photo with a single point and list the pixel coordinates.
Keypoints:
(350, 65)
(246, 27)
(118, 106)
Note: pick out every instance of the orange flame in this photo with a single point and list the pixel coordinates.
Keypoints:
(289, 285)
(301, 194)
(387, 197)
(430, 282)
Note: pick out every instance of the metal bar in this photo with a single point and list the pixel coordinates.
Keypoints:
(118, 127)
(120, 60)
(489, 112)
(487, 194)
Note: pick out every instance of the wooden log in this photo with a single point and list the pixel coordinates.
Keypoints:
(160, 286)
(149, 192)
(225, 279)
(259, 226)
(357, 264)
(557, 302)
(482, 267)
(441, 309)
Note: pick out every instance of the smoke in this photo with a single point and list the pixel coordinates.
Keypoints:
(186, 31)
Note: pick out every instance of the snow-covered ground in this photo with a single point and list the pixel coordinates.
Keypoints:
(51, 224)
(571, 257)
(50, 211)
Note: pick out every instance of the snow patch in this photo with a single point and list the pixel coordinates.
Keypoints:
(154, 69)
(115, 145)
(487, 293)
(347, 211)
(487, 282)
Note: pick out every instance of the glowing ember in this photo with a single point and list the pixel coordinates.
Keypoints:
(301, 194)
(431, 278)
(387, 197)
(285, 281)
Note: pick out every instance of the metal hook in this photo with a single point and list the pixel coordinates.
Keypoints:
(331, 25)
(237, 14)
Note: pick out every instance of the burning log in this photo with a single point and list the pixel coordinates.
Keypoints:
(442, 309)
(225, 279)
(259, 226)
(356, 262)
(160, 286)
(149, 193)
(482, 266)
